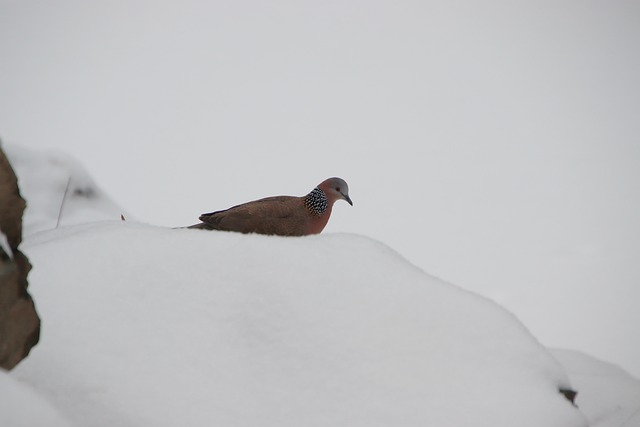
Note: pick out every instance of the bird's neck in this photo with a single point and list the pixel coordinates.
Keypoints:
(316, 202)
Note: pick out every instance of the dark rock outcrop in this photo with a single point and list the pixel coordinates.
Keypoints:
(19, 322)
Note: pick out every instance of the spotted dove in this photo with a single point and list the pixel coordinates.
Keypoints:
(281, 215)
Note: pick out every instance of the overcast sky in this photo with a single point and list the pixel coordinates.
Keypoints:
(495, 144)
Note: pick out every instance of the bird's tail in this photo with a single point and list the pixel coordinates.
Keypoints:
(201, 226)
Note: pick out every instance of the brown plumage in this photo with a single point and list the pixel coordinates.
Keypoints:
(281, 215)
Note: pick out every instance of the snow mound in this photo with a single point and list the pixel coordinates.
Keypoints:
(44, 178)
(147, 326)
(22, 407)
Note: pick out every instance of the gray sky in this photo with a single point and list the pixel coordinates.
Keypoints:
(495, 145)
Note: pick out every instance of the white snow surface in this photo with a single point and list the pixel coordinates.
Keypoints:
(20, 406)
(148, 326)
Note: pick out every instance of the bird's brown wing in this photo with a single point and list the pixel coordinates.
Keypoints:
(281, 215)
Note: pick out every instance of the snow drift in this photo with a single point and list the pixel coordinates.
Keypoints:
(151, 326)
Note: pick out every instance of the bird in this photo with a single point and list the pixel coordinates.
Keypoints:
(281, 215)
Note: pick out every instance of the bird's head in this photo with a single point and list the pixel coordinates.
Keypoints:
(335, 189)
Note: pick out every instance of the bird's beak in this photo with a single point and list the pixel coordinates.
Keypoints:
(347, 198)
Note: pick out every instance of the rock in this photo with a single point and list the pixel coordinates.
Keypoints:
(569, 394)
(19, 321)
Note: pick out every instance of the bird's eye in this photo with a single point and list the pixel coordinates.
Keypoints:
(338, 189)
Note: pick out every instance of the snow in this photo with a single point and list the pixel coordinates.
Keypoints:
(4, 244)
(153, 326)
(20, 406)
(58, 190)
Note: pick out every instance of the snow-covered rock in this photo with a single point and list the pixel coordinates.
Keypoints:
(58, 191)
(187, 327)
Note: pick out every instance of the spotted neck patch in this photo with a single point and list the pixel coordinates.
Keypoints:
(316, 202)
